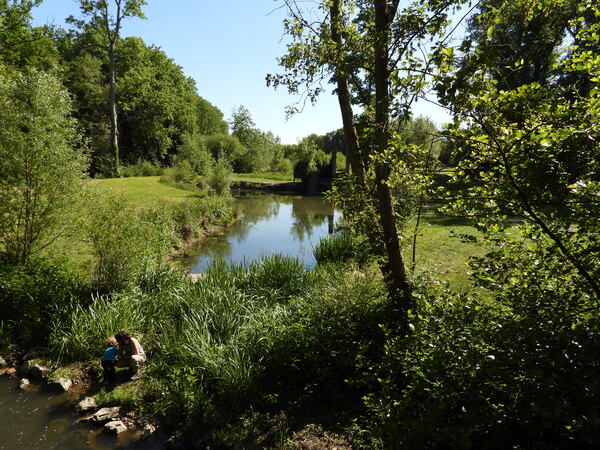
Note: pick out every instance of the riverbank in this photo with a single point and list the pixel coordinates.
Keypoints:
(244, 317)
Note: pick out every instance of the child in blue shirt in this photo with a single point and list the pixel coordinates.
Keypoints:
(109, 360)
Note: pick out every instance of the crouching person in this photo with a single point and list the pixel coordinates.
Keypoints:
(131, 353)
(109, 360)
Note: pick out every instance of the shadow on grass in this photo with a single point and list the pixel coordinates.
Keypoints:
(433, 217)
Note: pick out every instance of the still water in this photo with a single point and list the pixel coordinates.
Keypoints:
(269, 224)
(38, 419)
(42, 420)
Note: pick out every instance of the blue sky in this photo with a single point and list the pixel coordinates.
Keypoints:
(228, 47)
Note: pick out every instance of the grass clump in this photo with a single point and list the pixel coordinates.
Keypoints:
(128, 396)
(240, 340)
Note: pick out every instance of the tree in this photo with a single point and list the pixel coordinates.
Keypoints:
(371, 51)
(157, 102)
(107, 22)
(41, 170)
(210, 118)
(261, 148)
(21, 44)
(532, 152)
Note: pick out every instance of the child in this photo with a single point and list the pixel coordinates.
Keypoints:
(109, 360)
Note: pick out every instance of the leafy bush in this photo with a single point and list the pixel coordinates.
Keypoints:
(181, 174)
(194, 150)
(190, 220)
(342, 246)
(511, 368)
(34, 295)
(142, 169)
(220, 176)
(123, 241)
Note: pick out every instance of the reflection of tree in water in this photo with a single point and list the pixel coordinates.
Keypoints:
(255, 208)
(308, 213)
(215, 247)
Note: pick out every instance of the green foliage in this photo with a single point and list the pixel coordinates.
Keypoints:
(220, 177)
(128, 396)
(156, 101)
(236, 342)
(261, 148)
(342, 246)
(83, 334)
(210, 118)
(142, 169)
(41, 170)
(194, 150)
(23, 46)
(123, 240)
(191, 220)
(224, 146)
(34, 295)
(182, 175)
(532, 152)
(510, 368)
(310, 161)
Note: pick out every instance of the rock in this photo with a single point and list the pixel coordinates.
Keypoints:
(115, 427)
(149, 431)
(38, 373)
(106, 414)
(3, 362)
(23, 384)
(60, 385)
(10, 372)
(85, 405)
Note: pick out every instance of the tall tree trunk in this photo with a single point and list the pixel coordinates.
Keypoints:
(343, 94)
(397, 275)
(114, 130)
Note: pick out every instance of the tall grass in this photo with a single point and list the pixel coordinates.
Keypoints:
(342, 247)
(241, 337)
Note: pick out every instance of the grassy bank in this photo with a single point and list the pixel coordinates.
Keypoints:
(144, 192)
(239, 347)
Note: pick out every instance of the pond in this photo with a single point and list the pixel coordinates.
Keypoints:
(269, 224)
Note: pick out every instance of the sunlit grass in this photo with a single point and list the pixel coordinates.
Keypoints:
(440, 249)
(144, 192)
(274, 177)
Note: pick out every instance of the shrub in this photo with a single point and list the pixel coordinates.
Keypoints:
(123, 241)
(220, 176)
(190, 220)
(34, 295)
(142, 169)
(42, 171)
(342, 246)
(512, 368)
(181, 173)
(194, 150)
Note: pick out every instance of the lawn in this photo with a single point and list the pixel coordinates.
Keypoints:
(268, 177)
(143, 192)
(440, 249)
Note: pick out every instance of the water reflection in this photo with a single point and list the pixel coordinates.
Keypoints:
(288, 225)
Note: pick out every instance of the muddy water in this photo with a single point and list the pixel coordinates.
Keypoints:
(38, 419)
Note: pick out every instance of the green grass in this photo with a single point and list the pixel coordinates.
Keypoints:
(441, 251)
(143, 192)
(269, 177)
